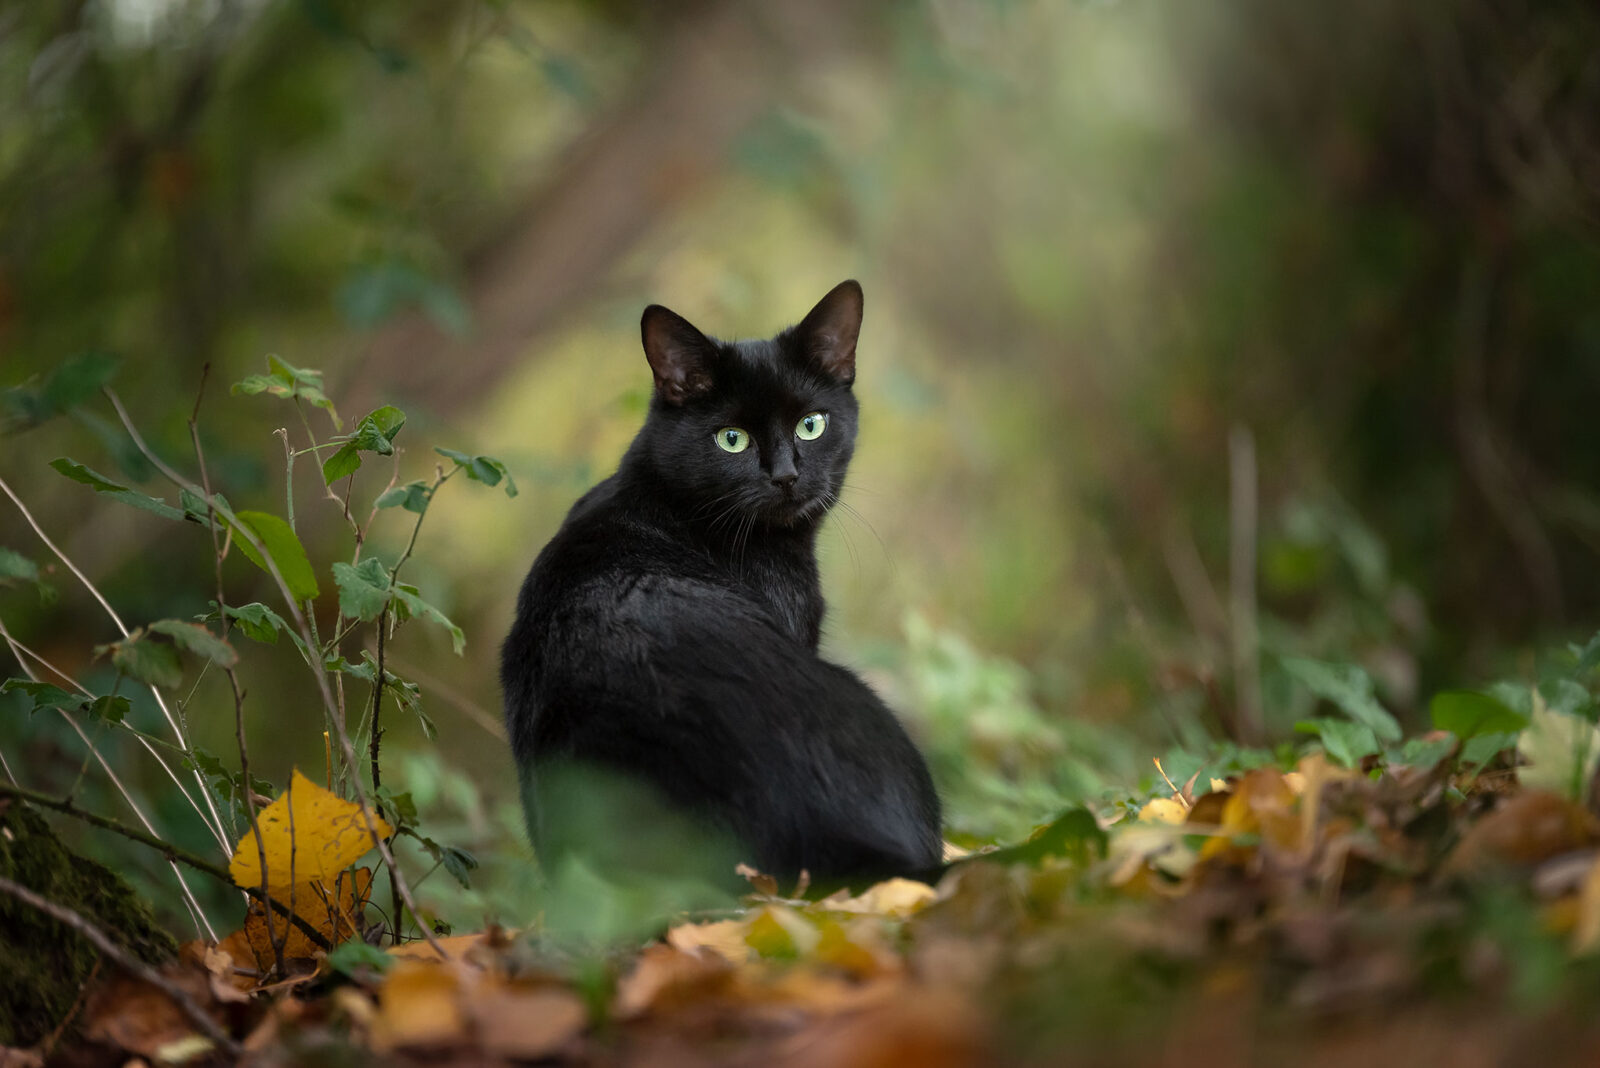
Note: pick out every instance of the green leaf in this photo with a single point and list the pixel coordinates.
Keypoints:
(280, 542)
(291, 383)
(72, 382)
(1485, 747)
(1348, 687)
(377, 430)
(1588, 656)
(145, 660)
(1348, 743)
(1561, 752)
(100, 484)
(1074, 835)
(45, 696)
(109, 708)
(197, 640)
(400, 806)
(257, 621)
(1466, 714)
(458, 862)
(413, 497)
(366, 671)
(16, 569)
(413, 605)
(352, 956)
(484, 469)
(342, 464)
(363, 588)
(1420, 753)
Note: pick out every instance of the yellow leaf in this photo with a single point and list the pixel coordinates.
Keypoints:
(892, 897)
(1586, 932)
(725, 938)
(329, 835)
(1163, 810)
(780, 931)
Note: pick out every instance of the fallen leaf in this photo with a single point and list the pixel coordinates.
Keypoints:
(664, 977)
(336, 915)
(725, 938)
(1164, 810)
(526, 1022)
(892, 897)
(418, 1006)
(329, 834)
(779, 931)
(1561, 751)
(129, 1014)
(1525, 829)
(1586, 931)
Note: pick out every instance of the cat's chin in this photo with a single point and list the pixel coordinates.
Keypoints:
(790, 515)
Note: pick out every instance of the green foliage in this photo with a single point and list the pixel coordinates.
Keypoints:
(484, 469)
(375, 433)
(291, 383)
(71, 383)
(100, 484)
(282, 544)
(16, 568)
(108, 709)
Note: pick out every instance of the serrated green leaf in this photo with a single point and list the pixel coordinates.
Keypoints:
(343, 463)
(1466, 714)
(16, 569)
(1561, 752)
(43, 694)
(101, 484)
(484, 469)
(400, 805)
(109, 708)
(377, 430)
(145, 659)
(280, 542)
(363, 588)
(197, 640)
(257, 621)
(365, 671)
(291, 383)
(1348, 687)
(413, 497)
(414, 605)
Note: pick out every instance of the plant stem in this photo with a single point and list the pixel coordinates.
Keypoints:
(274, 938)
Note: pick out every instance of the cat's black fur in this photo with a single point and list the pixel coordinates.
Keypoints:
(668, 632)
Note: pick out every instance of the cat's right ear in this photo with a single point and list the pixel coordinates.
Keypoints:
(679, 355)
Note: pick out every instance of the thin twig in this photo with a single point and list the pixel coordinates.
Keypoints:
(1242, 482)
(173, 853)
(216, 827)
(274, 937)
(128, 963)
(196, 913)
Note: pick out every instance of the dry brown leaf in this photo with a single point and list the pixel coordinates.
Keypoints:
(129, 1014)
(1525, 829)
(456, 947)
(664, 977)
(725, 938)
(418, 1005)
(525, 1021)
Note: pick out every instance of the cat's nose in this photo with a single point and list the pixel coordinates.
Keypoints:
(784, 479)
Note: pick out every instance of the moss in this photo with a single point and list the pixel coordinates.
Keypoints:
(43, 963)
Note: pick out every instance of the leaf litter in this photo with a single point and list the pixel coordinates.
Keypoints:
(1325, 913)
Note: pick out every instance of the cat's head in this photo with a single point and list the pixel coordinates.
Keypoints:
(754, 430)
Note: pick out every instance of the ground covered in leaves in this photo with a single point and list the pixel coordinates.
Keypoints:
(1429, 912)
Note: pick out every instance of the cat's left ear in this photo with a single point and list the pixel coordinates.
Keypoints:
(828, 332)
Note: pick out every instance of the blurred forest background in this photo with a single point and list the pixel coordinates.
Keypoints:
(1196, 335)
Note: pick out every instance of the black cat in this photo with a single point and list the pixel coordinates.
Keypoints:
(666, 637)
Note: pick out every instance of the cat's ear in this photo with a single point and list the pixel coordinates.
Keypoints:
(828, 332)
(679, 355)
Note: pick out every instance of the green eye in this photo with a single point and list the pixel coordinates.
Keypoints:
(811, 427)
(732, 439)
